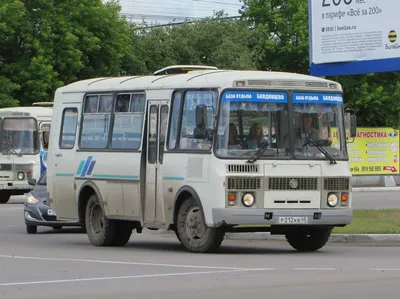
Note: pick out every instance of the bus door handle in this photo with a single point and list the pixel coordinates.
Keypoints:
(58, 155)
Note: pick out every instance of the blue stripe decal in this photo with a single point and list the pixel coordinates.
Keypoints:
(85, 168)
(112, 176)
(65, 174)
(80, 167)
(173, 178)
(91, 167)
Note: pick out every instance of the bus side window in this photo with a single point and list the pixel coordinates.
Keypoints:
(163, 131)
(68, 128)
(173, 128)
(96, 122)
(127, 128)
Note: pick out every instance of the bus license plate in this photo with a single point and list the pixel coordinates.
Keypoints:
(51, 212)
(293, 220)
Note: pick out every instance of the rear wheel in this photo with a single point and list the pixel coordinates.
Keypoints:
(307, 240)
(192, 230)
(123, 233)
(100, 230)
(31, 229)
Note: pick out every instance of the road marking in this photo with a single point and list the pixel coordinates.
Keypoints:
(131, 263)
(379, 269)
(314, 269)
(120, 277)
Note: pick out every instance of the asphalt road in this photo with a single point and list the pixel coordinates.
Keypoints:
(361, 200)
(64, 264)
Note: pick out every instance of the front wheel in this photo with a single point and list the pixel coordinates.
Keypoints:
(307, 240)
(4, 197)
(100, 230)
(192, 230)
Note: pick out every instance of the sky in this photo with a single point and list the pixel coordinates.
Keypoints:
(167, 11)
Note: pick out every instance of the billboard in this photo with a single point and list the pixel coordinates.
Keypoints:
(354, 36)
(375, 151)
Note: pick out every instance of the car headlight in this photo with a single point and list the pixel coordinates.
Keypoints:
(21, 175)
(333, 200)
(31, 199)
(248, 199)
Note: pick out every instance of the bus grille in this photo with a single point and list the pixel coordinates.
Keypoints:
(338, 184)
(5, 167)
(23, 167)
(242, 168)
(245, 183)
(296, 184)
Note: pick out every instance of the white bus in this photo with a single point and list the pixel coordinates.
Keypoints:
(156, 152)
(24, 135)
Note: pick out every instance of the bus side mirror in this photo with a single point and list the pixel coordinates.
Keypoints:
(201, 116)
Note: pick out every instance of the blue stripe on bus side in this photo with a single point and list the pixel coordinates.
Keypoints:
(65, 174)
(85, 168)
(80, 167)
(173, 178)
(112, 176)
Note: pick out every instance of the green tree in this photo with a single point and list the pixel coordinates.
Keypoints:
(11, 18)
(218, 41)
(61, 41)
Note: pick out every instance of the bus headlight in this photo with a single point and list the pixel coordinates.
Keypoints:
(21, 176)
(333, 200)
(248, 199)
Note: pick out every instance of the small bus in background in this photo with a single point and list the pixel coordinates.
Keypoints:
(24, 140)
(202, 152)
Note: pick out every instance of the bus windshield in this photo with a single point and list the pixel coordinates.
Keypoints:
(250, 120)
(20, 136)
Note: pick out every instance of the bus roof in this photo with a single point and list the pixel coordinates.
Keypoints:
(203, 79)
(37, 112)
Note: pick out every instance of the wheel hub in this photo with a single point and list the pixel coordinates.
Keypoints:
(195, 227)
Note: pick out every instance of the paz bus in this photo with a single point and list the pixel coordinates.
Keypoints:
(24, 135)
(202, 152)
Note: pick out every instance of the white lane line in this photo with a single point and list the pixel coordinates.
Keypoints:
(119, 277)
(129, 263)
(380, 269)
(314, 269)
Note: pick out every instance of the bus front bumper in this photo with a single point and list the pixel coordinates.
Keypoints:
(311, 217)
(14, 185)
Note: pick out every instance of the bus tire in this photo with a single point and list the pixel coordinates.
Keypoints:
(100, 230)
(4, 197)
(123, 233)
(309, 240)
(192, 231)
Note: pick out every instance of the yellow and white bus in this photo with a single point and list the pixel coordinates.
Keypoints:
(201, 153)
(24, 136)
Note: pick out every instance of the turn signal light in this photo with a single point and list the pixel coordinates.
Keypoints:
(231, 199)
(344, 199)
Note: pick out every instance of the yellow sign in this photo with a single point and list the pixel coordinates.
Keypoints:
(375, 151)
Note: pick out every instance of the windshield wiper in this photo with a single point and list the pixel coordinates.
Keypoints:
(260, 151)
(321, 149)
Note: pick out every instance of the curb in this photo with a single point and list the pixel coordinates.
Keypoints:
(335, 238)
(376, 189)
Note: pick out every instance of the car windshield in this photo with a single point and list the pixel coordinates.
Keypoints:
(20, 136)
(249, 119)
(318, 126)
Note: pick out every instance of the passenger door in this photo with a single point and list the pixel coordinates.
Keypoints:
(65, 165)
(157, 120)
